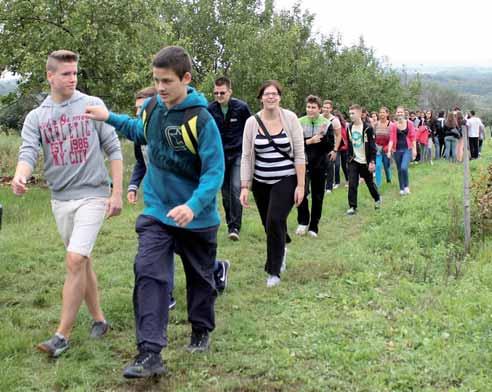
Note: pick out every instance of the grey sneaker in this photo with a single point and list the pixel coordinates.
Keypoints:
(54, 346)
(199, 342)
(146, 364)
(377, 204)
(99, 329)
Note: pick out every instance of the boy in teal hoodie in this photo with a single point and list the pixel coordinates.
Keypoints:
(180, 211)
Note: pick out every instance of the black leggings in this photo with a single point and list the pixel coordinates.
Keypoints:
(274, 202)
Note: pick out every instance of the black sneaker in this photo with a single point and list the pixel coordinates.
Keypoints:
(99, 329)
(145, 364)
(222, 275)
(54, 346)
(172, 303)
(199, 342)
(234, 235)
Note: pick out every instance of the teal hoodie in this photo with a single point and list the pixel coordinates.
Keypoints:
(174, 175)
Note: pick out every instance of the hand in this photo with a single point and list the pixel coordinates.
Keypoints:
(182, 215)
(315, 139)
(332, 155)
(299, 195)
(19, 185)
(98, 113)
(132, 197)
(372, 167)
(243, 197)
(113, 208)
(388, 154)
(414, 155)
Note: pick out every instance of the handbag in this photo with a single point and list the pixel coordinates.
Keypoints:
(269, 137)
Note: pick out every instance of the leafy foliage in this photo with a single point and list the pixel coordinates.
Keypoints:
(248, 40)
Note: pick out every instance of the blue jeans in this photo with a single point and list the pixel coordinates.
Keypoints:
(450, 152)
(437, 149)
(402, 160)
(231, 188)
(382, 161)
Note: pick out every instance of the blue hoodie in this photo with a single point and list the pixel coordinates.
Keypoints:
(176, 176)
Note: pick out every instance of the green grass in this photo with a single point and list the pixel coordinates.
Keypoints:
(373, 304)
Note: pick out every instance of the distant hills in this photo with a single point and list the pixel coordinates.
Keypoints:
(7, 86)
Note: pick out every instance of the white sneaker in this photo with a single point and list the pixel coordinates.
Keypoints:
(402, 193)
(273, 280)
(407, 190)
(351, 211)
(283, 268)
(301, 230)
(328, 191)
(336, 186)
(312, 234)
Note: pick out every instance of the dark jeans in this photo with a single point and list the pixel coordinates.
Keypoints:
(330, 174)
(274, 202)
(315, 179)
(402, 160)
(154, 273)
(355, 170)
(231, 189)
(341, 161)
(473, 141)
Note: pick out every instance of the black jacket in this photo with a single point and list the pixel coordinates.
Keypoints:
(231, 127)
(369, 143)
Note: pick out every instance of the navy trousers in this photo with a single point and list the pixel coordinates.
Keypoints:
(153, 269)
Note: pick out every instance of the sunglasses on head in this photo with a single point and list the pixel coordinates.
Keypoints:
(220, 93)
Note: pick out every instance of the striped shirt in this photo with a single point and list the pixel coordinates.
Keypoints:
(270, 165)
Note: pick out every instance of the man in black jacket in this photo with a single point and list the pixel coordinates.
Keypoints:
(230, 114)
(361, 157)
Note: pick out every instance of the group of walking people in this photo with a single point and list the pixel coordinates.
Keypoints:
(187, 150)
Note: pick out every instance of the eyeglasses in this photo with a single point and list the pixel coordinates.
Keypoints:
(221, 93)
(271, 94)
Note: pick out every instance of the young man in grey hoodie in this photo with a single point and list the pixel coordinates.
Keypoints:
(74, 168)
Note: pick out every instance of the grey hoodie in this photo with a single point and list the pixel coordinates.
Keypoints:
(73, 147)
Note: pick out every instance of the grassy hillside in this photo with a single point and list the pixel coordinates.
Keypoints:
(373, 304)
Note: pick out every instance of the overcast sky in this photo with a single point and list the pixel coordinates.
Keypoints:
(427, 32)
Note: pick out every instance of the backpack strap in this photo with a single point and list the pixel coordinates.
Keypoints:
(147, 112)
(189, 129)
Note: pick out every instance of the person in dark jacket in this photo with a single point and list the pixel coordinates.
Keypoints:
(140, 168)
(361, 157)
(230, 115)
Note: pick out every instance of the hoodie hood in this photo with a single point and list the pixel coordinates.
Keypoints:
(76, 97)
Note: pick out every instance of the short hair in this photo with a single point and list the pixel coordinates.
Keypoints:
(60, 56)
(412, 113)
(223, 81)
(472, 112)
(174, 58)
(146, 92)
(269, 83)
(328, 102)
(313, 99)
(363, 109)
(441, 113)
(355, 107)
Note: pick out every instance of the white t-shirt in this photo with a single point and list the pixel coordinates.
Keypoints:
(474, 124)
(358, 144)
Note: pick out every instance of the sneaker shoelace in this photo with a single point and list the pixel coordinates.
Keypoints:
(142, 358)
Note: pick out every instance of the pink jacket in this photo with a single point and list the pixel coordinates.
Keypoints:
(410, 134)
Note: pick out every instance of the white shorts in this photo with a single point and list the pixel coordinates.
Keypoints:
(79, 222)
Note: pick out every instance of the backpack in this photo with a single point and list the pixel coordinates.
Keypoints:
(189, 129)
